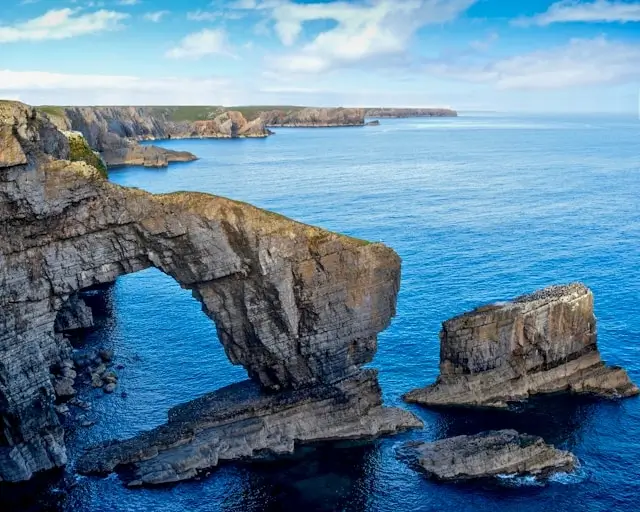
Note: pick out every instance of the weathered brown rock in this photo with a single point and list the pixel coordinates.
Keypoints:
(242, 421)
(296, 305)
(488, 454)
(539, 343)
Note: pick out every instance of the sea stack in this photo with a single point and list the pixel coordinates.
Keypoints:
(536, 344)
(488, 454)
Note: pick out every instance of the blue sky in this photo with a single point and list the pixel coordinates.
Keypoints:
(506, 55)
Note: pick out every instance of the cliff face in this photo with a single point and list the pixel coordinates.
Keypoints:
(314, 117)
(539, 343)
(115, 132)
(297, 306)
(410, 112)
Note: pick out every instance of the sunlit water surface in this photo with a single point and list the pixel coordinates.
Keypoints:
(480, 208)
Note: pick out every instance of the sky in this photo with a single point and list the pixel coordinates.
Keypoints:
(501, 55)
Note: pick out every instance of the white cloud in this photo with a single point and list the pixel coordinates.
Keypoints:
(365, 32)
(200, 15)
(200, 44)
(38, 87)
(155, 17)
(128, 2)
(62, 24)
(598, 11)
(582, 62)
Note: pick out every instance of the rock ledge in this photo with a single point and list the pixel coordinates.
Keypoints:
(242, 421)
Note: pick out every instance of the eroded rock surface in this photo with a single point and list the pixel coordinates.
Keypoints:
(242, 421)
(297, 306)
(539, 343)
(488, 454)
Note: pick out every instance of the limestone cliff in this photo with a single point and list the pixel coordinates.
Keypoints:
(314, 117)
(410, 112)
(297, 306)
(115, 131)
(539, 343)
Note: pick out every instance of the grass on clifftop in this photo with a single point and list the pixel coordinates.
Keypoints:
(52, 111)
(202, 113)
(81, 152)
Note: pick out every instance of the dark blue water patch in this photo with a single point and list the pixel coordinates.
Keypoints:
(480, 209)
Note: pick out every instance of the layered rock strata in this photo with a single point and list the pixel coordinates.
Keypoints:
(297, 306)
(539, 343)
(243, 421)
(486, 455)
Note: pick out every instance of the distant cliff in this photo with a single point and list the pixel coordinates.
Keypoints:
(410, 112)
(115, 131)
(313, 117)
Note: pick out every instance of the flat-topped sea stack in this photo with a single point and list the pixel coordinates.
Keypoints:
(536, 344)
(488, 454)
(299, 307)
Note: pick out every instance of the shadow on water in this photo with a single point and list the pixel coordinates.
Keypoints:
(325, 477)
(558, 419)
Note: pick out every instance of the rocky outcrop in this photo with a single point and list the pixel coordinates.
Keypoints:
(539, 343)
(314, 117)
(115, 132)
(410, 112)
(242, 421)
(297, 306)
(74, 315)
(488, 454)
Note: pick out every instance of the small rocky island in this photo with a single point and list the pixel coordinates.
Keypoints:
(488, 454)
(540, 343)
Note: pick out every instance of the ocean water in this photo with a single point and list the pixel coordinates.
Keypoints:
(480, 208)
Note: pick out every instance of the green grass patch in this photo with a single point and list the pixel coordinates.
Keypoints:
(81, 152)
(52, 111)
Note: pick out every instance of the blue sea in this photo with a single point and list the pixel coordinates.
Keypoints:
(482, 207)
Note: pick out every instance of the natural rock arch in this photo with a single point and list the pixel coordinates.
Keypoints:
(294, 304)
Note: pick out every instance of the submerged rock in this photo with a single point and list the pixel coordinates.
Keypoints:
(488, 454)
(242, 421)
(539, 343)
